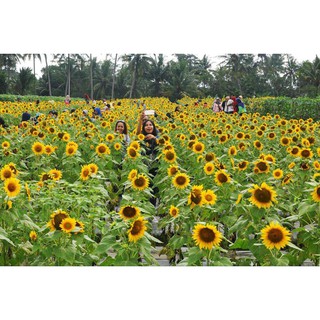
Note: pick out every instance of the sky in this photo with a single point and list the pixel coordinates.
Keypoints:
(167, 26)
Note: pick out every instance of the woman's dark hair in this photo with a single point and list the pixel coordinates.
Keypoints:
(125, 130)
(154, 132)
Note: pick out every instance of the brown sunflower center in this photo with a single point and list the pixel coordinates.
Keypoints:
(102, 149)
(242, 165)
(305, 153)
(140, 182)
(170, 155)
(275, 235)
(7, 174)
(222, 178)
(129, 212)
(67, 225)
(262, 166)
(181, 180)
(318, 191)
(263, 195)
(206, 235)
(12, 187)
(136, 228)
(132, 152)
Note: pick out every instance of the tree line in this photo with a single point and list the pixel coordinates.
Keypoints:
(142, 75)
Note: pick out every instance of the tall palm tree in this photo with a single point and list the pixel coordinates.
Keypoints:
(114, 76)
(138, 65)
(24, 81)
(9, 62)
(157, 74)
(34, 57)
(48, 74)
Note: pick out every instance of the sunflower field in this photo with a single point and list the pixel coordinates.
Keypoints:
(229, 190)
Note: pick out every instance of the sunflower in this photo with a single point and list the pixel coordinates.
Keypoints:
(67, 225)
(316, 165)
(5, 144)
(137, 230)
(85, 172)
(271, 135)
(181, 180)
(109, 137)
(6, 173)
(262, 196)
(172, 170)
(45, 176)
(56, 219)
(132, 174)
(275, 236)
(243, 165)
(295, 151)
(140, 137)
(209, 197)
(285, 141)
(93, 168)
(117, 146)
(210, 156)
(48, 150)
(140, 182)
(261, 166)
(239, 136)
(258, 145)
(12, 187)
(129, 212)
(195, 197)
(198, 147)
(221, 177)
(287, 179)
(55, 174)
(170, 156)
(306, 153)
(209, 168)
(316, 194)
(132, 153)
(33, 235)
(38, 148)
(232, 151)
(135, 145)
(277, 173)
(71, 149)
(174, 211)
(102, 149)
(206, 236)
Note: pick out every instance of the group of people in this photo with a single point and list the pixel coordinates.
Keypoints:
(230, 105)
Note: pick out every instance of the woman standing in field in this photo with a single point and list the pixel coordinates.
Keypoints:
(121, 128)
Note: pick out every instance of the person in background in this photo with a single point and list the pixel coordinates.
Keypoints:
(67, 100)
(26, 116)
(217, 106)
(229, 105)
(97, 112)
(121, 128)
(86, 98)
(241, 106)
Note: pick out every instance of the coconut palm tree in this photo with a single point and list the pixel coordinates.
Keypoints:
(48, 74)
(157, 74)
(138, 65)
